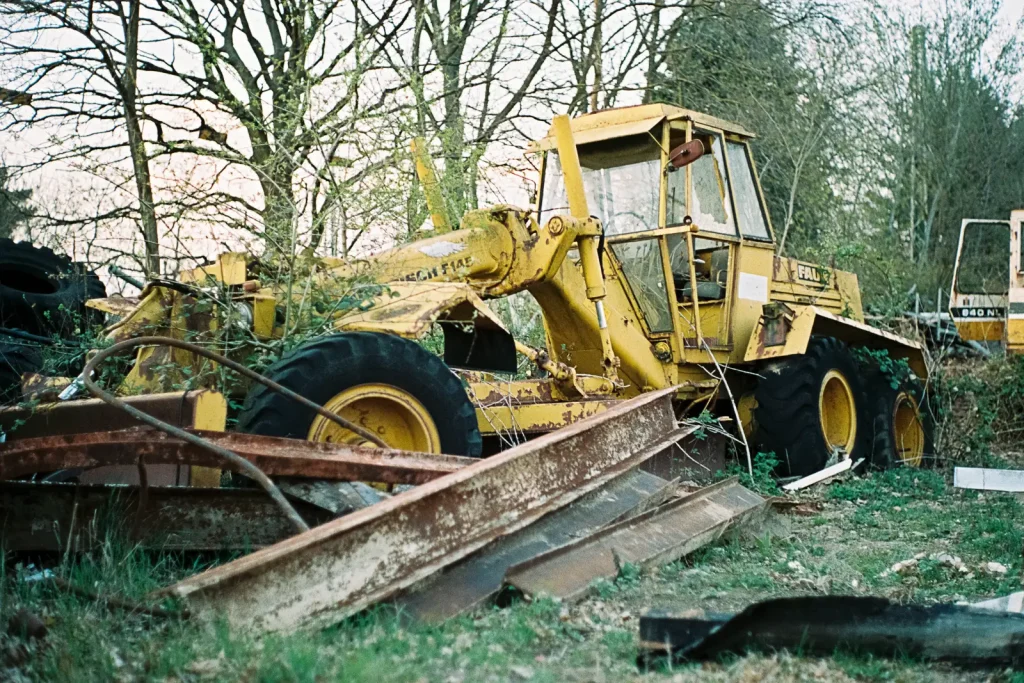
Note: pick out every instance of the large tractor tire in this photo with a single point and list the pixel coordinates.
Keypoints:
(43, 293)
(15, 360)
(391, 386)
(902, 424)
(808, 406)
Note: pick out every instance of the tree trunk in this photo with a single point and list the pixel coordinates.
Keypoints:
(136, 143)
(653, 49)
(278, 208)
(453, 142)
(595, 49)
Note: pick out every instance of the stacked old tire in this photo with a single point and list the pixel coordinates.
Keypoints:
(42, 294)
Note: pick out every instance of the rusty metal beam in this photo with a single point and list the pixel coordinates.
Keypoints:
(326, 574)
(656, 537)
(56, 517)
(275, 456)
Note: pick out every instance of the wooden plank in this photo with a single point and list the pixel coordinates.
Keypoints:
(822, 475)
(37, 517)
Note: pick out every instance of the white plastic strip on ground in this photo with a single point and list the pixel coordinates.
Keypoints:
(820, 476)
(986, 479)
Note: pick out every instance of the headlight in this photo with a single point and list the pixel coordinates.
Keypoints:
(242, 315)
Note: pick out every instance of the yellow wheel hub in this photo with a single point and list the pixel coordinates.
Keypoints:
(908, 430)
(837, 412)
(397, 417)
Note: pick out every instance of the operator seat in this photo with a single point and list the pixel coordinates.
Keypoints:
(708, 290)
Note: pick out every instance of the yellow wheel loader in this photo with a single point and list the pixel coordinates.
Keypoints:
(650, 254)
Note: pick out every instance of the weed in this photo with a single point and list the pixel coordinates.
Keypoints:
(628, 577)
(705, 420)
(977, 407)
(895, 370)
(763, 478)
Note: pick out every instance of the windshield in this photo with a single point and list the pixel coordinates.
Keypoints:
(624, 197)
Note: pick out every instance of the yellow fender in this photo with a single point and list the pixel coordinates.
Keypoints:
(475, 338)
(784, 330)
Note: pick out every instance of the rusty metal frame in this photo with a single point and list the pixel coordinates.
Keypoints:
(275, 456)
(40, 517)
(93, 415)
(333, 571)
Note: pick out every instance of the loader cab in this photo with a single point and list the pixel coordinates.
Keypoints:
(677, 227)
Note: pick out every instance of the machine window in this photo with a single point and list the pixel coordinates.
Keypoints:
(748, 202)
(712, 207)
(641, 263)
(623, 196)
(984, 264)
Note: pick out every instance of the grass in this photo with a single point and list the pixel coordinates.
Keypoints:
(867, 524)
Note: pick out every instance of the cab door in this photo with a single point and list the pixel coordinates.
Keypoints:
(981, 281)
(698, 199)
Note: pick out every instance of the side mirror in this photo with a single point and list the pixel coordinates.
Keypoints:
(685, 154)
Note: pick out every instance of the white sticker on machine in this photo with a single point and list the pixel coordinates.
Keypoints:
(754, 287)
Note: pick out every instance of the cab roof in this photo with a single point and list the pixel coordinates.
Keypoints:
(625, 121)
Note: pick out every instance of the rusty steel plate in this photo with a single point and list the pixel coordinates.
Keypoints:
(479, 577)
(656, 537)
(275, 456)
(319, 577)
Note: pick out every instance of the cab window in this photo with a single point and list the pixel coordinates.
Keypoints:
(984, 266)
(711, 268)
(748, 203)
(711, 206)
(642, 266)
(621, 181)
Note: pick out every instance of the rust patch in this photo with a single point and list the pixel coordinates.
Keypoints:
(36, 387)
(392, 312)
(489, 394)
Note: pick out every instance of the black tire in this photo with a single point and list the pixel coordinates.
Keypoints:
(787, 418)
(322, 368)
(890, 434)
(16, 359)
(43, 293)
